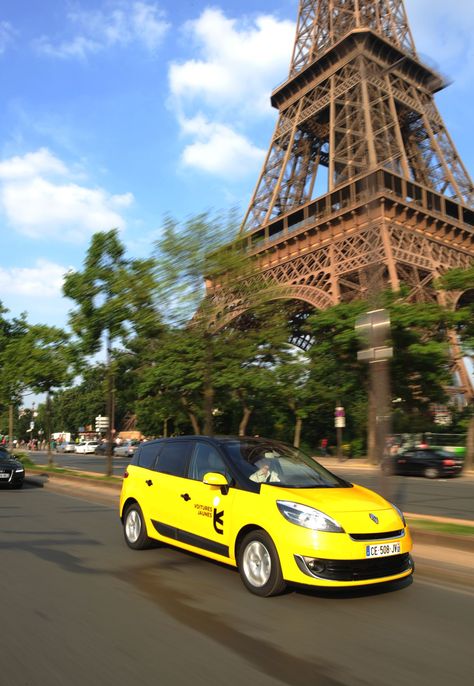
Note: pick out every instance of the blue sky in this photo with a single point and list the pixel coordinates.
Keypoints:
(116, 112)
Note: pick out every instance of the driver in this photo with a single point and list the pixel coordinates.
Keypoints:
(265, 472)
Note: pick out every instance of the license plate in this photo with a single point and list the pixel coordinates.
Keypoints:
(382, 549)
(4, 476)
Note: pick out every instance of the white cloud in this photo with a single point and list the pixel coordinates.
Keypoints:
(41, 199)
(228, 80)
(126, 23)
(6, 35)
(31, 164)
(237, 63)
(44, 280)
(218, 149)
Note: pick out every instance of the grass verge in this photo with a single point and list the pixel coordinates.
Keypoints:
(441, 527)
(70, 473)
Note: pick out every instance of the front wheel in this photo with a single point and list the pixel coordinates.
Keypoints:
(134, 529)
(259, 565)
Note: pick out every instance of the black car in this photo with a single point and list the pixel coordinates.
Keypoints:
(429, 462)
(12, 472)
(101, 449)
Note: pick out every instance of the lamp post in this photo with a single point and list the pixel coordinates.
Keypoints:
(373, 329)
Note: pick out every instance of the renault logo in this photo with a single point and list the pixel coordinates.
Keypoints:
(374, 518)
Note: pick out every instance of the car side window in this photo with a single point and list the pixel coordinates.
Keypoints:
(146, 456)
(173, 458)
(206, 459)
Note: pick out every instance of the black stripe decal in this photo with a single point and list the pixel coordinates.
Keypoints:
(191, 539)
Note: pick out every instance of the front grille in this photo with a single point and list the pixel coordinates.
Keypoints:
(357, 570)
(379, 536)
(5, 471)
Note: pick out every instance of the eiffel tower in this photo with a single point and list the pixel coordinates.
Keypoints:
(362, 185)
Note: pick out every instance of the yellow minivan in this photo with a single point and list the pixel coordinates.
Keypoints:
(266, 508)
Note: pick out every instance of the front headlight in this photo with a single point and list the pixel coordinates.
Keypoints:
(302, 515)
(402, 516)
(20, 469)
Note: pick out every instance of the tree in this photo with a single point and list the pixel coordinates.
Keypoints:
(419, 370)
(12, 333)
(187, 255)
(463, 280)
(114, 299)
(47, 361)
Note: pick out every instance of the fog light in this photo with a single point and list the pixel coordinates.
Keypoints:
(314, 565)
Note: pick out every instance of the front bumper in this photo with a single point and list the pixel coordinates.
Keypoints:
(341, 560)
(378, 569)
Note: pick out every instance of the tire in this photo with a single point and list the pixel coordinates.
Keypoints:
(431, 473)
(18, 485)
(259, 565)
(134, 528)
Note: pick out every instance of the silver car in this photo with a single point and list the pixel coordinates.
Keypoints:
(126, 449)
(66, 447)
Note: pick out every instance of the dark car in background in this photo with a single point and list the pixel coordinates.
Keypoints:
(429, 462)
(101, 449)
(12, 472)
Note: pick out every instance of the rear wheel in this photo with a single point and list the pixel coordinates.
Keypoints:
(134, 528)
(259, 565)
(431, 473)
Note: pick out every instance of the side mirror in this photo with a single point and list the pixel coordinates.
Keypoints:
(215, 479)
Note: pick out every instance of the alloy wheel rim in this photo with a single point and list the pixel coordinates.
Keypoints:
(257, 564)
(133, 526)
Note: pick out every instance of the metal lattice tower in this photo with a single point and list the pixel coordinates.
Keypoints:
(358, 127)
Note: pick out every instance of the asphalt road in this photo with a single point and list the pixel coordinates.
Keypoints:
(440, 497)
(78, 607)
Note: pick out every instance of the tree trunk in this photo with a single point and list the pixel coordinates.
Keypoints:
(10, 427)
(194, 422)
(48, 428)
(297, 435)
(192, 417)
(208, 387)
(245, 420)
(110, 406)
(469, 460)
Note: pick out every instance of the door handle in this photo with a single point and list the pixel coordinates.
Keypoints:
(149, 482)
(185, 496)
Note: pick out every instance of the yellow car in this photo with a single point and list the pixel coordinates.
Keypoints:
(265, 507)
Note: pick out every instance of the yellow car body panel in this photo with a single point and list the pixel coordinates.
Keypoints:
(212, 519)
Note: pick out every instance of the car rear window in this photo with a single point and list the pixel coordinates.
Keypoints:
(173, 458)
(147, 455)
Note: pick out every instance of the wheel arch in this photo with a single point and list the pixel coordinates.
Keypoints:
(243, 532)
(128, 502)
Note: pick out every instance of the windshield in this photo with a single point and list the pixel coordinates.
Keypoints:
(278, 464)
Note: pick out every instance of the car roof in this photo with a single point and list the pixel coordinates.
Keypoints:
(215, 439)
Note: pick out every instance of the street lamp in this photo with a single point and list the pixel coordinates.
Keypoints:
(373, 329)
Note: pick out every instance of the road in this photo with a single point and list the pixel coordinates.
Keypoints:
(79, 607)
(441, 497)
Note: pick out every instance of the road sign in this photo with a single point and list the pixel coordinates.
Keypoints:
(339, 418)
(101, 423)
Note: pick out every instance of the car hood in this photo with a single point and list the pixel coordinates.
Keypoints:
(10, 463)
(351, 507)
